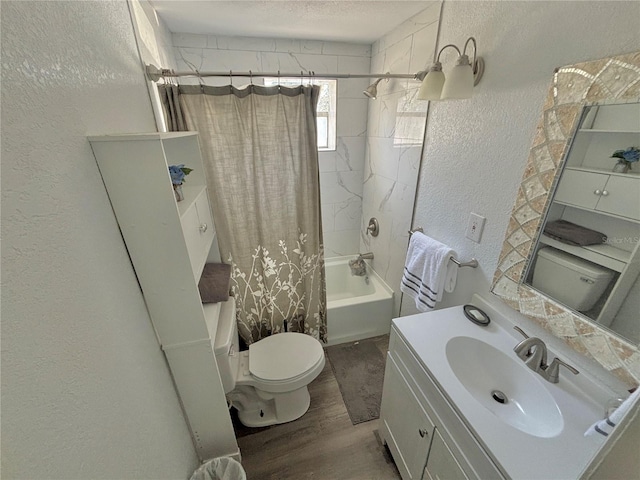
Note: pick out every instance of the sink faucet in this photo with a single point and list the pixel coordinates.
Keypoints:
(533, 352)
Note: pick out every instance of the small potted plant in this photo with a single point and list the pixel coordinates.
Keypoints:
(625, 159)
(178, 172)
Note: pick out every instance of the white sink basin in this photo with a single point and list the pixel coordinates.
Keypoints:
(492, 377)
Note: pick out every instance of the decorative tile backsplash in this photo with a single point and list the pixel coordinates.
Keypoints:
(609, 80)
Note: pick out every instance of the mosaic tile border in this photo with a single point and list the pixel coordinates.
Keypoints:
(608, 80)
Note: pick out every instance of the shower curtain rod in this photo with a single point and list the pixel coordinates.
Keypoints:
(154, 73)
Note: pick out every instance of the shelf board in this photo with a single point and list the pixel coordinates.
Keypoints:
(602, 254)
(139, 136)
(191, 193)
(597, 130)
(603, 171)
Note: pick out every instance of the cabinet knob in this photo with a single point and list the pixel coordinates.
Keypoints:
(422, 432)
(203, 227)
(605, 193)
(597, 192)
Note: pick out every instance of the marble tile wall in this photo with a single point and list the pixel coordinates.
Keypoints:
(341, 171)
(395, 135)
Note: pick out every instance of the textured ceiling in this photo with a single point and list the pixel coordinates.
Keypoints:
(342, 20)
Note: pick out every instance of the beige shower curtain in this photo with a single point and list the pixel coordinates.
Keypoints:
(260, 151)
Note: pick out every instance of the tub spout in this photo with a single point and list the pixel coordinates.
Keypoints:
(366, 256)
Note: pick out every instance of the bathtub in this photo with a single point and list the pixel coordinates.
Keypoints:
(355, 309)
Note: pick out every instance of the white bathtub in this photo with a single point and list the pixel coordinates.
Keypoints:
(355, 309)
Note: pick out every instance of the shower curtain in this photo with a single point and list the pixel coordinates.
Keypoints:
(260, 152)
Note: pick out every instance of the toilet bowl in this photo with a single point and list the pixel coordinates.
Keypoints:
(267, 383)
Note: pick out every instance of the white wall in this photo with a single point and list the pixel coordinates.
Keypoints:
(86, 392)
(476, 149)
(394, 142)
(340, 171)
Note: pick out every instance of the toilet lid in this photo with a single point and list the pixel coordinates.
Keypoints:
(283, 356)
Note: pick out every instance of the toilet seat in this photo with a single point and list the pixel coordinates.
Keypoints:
(284, 357)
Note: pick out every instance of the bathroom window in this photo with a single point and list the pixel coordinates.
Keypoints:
(326, 110)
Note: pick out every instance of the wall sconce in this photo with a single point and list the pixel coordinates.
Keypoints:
(460, 80)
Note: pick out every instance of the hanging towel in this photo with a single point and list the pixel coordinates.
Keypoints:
(428, 271)
(605, 427)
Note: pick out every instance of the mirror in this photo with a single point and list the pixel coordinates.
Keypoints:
(586, 254)
(582, 100)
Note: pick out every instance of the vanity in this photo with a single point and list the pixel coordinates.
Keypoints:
(458, 403)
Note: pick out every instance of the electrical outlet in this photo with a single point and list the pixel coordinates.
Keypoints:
(474, 227)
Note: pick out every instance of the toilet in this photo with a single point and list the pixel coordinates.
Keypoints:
(267, 384)
(571, 280)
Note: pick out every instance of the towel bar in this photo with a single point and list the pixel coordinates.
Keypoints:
(473, 263)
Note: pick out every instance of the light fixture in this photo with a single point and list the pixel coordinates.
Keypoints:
(372, 90)
(460, 80)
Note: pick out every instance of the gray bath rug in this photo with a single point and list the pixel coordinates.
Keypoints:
(359, 369)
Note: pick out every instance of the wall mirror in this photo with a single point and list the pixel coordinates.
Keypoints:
(570, 258)
(586, 253)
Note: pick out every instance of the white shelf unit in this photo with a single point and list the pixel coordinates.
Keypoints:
(590, 194)
(169, 243)
(603, 254)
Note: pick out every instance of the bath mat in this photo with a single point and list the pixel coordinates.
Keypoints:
(359, 370)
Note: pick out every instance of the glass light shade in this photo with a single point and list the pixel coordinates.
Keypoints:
(460, 81)
(431, 87)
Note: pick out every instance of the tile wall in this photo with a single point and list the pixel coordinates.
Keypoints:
(395, 135)
(341, 171)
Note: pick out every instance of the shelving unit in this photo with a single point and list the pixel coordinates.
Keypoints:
(169, 243)
(590, 194)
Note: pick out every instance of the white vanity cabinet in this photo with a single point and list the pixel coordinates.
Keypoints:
(426, 437)
(169, 243)
(442, 464)
(408, 429)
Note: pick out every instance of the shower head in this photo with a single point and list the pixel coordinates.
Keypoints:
(372, 90)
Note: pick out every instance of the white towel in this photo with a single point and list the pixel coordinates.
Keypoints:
(605, 427)
(428, 271)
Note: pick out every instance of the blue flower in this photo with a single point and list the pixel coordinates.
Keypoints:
(631, 154)
(178, 172)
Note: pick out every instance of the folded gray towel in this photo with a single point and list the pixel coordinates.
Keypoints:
(572, 234)
(215, 282)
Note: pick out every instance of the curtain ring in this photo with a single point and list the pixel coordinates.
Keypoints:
(301, 77)
(278, 81)
(230, 78)
(251, 76)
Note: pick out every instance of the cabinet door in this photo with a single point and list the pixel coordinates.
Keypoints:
(578, 188)
(621, 196)
(198, 230)
(409, 426)
(442, 465)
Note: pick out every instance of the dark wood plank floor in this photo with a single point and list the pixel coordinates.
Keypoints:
(322, 445)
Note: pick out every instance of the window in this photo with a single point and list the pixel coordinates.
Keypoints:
(326, 110)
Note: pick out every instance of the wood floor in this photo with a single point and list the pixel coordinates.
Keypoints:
(322, 445)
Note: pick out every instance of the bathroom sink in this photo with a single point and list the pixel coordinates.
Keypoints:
(504, 386)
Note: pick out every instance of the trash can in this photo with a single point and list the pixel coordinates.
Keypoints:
(221, 468)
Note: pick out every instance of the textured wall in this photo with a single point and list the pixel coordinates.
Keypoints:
(476, 149)
(340, 170)
(85, 389)
(395, 133)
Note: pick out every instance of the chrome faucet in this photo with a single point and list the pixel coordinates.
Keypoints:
(533, 352)
(366, 256)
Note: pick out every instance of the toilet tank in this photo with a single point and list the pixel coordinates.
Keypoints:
(226, 345)
(571, 280)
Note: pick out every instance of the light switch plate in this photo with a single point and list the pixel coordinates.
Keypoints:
(474, 227)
